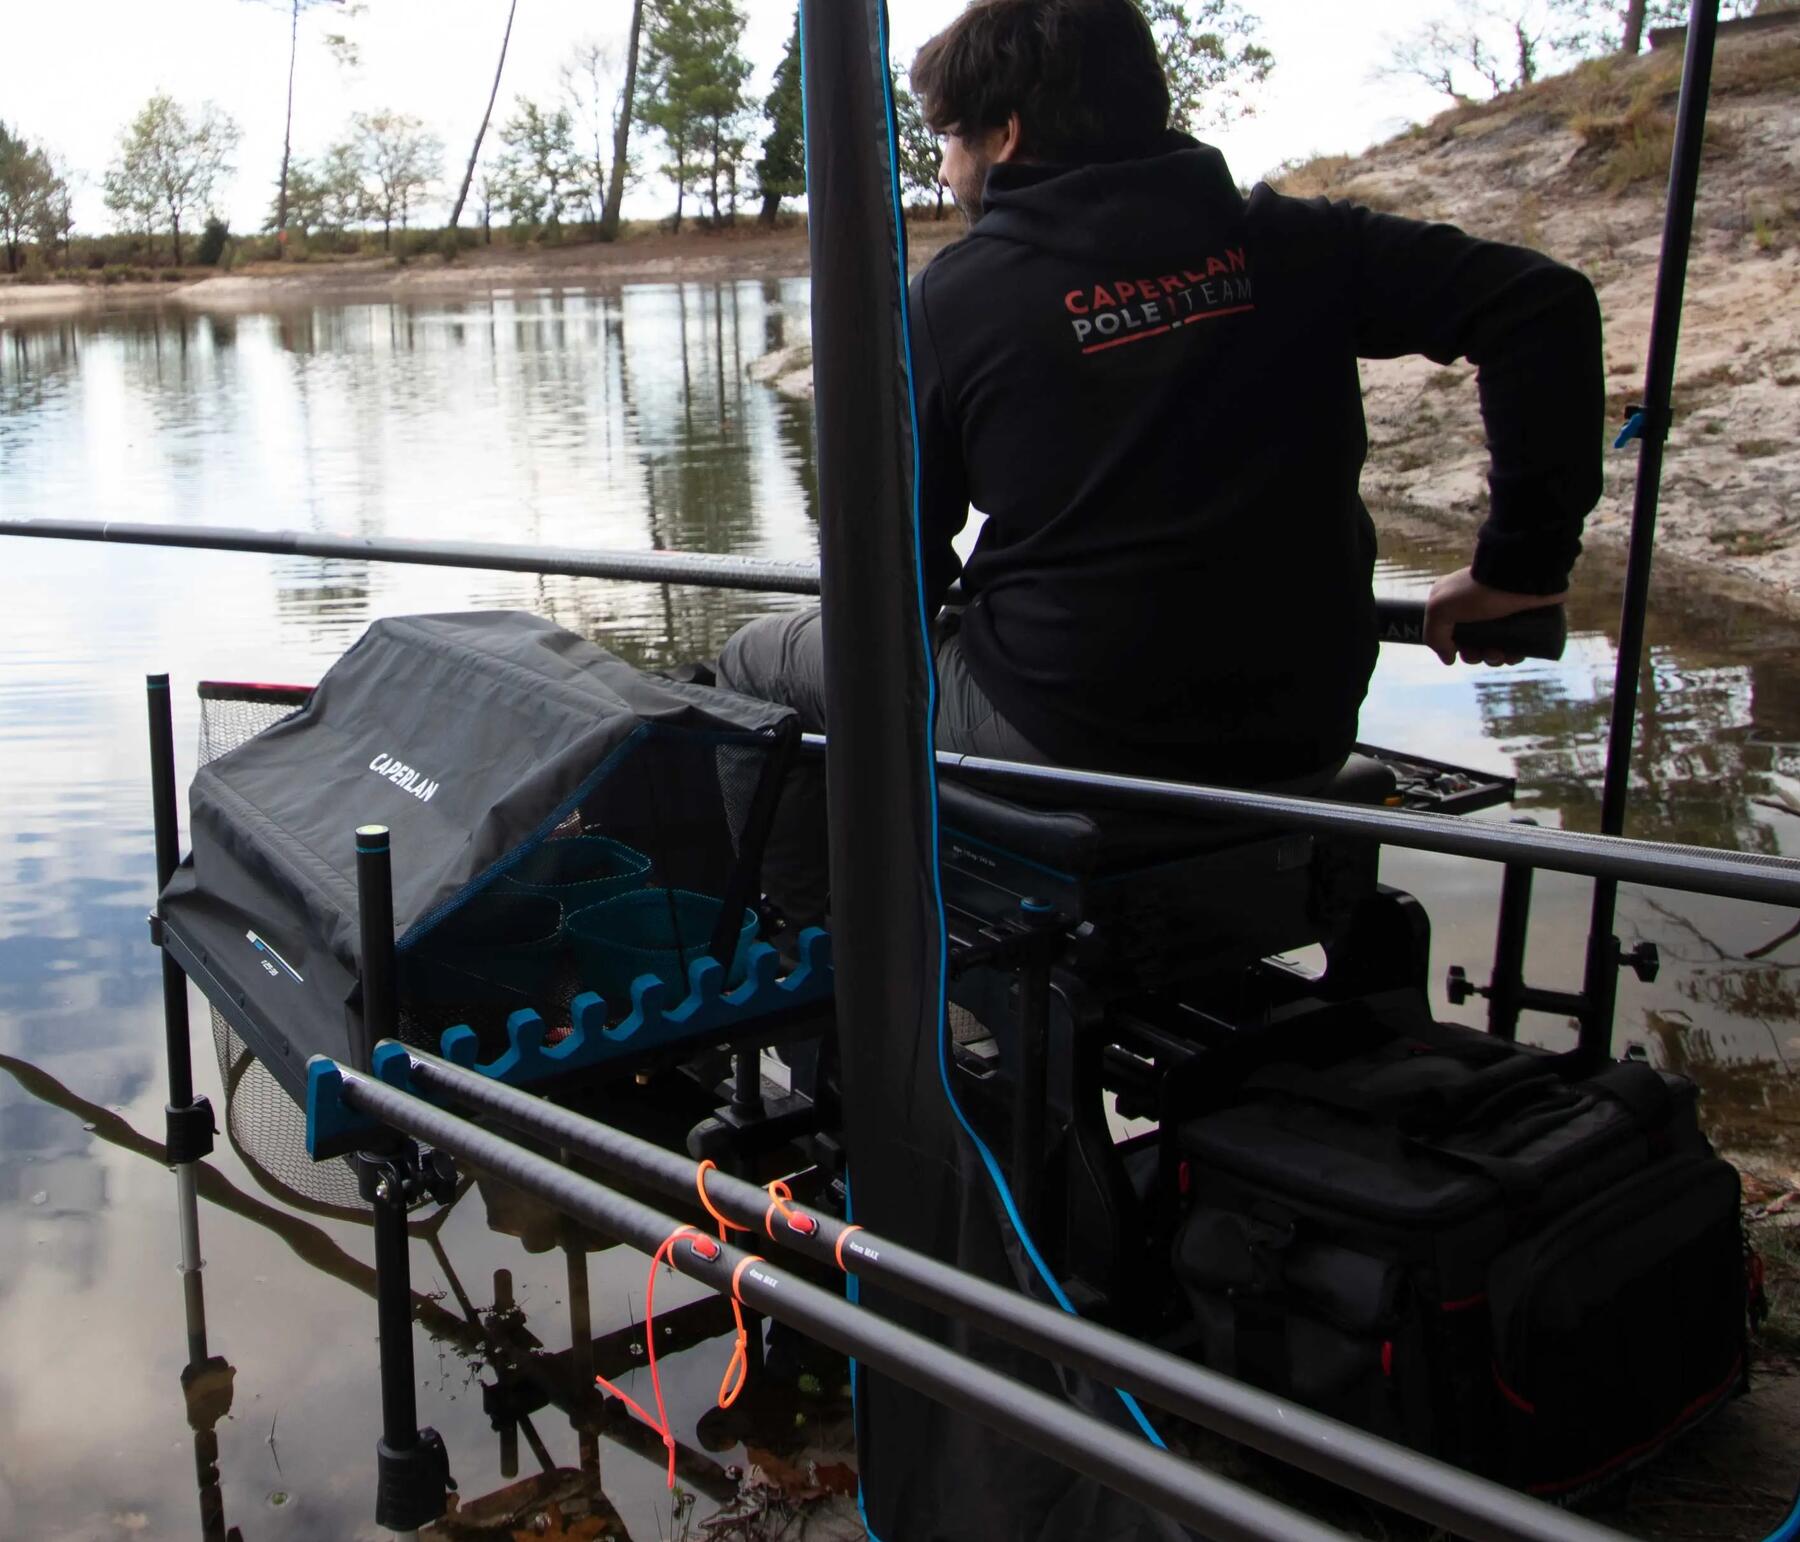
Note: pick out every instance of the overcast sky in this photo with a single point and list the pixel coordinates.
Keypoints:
(73, 71)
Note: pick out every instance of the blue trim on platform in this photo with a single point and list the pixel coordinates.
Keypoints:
(529, 1062)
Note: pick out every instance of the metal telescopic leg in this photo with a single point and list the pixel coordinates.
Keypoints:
(581, 1338)
(206, 1382)
(187, 1120)
(1507, 985)
(413, 1469)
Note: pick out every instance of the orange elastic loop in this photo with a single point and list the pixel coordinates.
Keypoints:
(740, 1363)
(737, 1273)
(724, 1221)
(780, 1197)
(838, 1251)
(665, 1253)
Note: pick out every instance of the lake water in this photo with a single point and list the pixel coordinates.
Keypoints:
(618, 420)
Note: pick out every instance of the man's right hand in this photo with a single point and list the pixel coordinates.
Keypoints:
(1457, 597)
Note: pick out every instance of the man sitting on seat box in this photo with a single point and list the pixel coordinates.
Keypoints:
(1148, 383)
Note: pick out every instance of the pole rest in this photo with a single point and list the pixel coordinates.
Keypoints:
(650, 1025)
(333, 1129)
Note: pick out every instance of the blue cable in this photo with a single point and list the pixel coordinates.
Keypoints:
(937, 891)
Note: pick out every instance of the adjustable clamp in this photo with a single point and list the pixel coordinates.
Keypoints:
(188, 1132)
(1644, 961)
(407, 1176)
(1641, 423)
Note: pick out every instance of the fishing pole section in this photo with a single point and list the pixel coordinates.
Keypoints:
(1374, 1468)
(1536, 634)
(1178, 1488)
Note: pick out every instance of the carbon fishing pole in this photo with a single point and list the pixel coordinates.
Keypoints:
(705, 569)
(1214, 1506)
(1365, 1464)
(1538, 634)
(1650, 424)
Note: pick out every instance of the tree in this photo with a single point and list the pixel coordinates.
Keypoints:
(586, 77)
(299, 202)
(343, 200)
(540, 168)
(56, 216)
(28, 189)
(1475, 52)
(1481, 50)
(481, 133)
(169, 163)
(695, 75)
(920, 153)
(1211, 57)
(781, 173)
(628, 105)
(399, 163)
(1588, 28)
(294, 8)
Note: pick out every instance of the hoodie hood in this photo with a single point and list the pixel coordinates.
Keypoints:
(1114, 209)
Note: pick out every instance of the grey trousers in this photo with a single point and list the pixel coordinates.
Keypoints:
(782, 658)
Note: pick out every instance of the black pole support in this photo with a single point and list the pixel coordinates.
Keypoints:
(187, 1120)
(1506, 987)
(380, 1017)
(412, 1465)
(1601, 987)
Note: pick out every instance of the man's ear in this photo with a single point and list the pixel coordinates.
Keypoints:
(1014, 137)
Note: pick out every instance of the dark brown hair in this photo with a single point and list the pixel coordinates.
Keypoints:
(1084, 77)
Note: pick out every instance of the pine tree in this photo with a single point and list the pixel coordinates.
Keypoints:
(29, 191)
(781, 173)
(692, 92)
(541, 170)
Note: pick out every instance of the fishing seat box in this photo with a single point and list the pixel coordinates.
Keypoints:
(1153, 899)
(1454, 1242)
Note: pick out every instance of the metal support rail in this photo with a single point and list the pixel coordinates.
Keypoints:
(1215, 1507)
(1365, 1464)
(1739, 875)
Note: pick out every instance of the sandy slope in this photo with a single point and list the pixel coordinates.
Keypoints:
(1521, 171)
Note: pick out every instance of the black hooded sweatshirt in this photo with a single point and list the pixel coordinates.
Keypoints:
(1148, 383)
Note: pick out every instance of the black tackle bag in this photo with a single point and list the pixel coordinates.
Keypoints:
(1451, 1241)
(556, 816)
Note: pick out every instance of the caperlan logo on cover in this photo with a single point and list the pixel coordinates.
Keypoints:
(405, 777)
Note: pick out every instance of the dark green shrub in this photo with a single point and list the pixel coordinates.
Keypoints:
(212, 242)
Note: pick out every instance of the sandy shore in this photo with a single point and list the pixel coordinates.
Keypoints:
(748, 252)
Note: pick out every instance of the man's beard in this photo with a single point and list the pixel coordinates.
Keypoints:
(967, 193)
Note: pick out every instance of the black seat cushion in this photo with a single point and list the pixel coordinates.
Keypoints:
(1095, 841)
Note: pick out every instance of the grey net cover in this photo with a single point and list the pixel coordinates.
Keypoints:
(472, 738)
